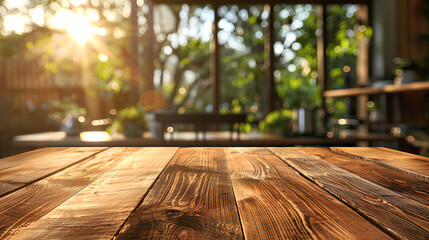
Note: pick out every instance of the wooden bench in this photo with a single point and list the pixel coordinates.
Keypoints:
(200, 121)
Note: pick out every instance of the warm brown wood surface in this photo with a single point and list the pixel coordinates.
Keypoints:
(214, 193)
(100, 209)
(275, 202)
(40, 153)
(404, 184)
(397, 215)
(400, 161)
(25, 172)
(19, 209)
(193, 199)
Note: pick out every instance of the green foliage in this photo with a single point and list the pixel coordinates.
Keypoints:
(60, 54)
(67, 106)
(279, 120)
(344, 33)
(296, 64)
(134, 115)
(242, 59)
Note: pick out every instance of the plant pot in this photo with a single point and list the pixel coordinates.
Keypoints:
(133, 128)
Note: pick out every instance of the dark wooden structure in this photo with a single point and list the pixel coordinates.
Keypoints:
(214, 193)
(200, 121)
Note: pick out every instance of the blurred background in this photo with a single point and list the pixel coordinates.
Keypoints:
(352, 69)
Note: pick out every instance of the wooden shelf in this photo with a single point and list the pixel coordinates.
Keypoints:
(416, 86)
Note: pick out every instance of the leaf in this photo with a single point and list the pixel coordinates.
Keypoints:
(184, 61)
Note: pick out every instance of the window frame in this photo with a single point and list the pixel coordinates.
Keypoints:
(363, 59)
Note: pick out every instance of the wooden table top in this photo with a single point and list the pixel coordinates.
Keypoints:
(214, 193)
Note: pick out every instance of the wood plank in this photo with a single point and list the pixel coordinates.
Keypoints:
(404, 184)
(28, 204)
(45, 163)
(192, 199)
(99, 210)
(407, 163)
(409, 87)
(397, 215)
(275, 202)
(40, 153)
(349, 92)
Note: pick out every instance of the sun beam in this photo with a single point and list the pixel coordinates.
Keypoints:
(80, 29)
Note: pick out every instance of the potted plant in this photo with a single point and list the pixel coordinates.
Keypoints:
(131, 121)
(278, 121)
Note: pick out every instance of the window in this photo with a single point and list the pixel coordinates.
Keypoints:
(295, 51)
(315, 47)
(182, 71)
(241, 52)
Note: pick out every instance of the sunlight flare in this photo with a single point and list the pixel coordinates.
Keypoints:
(80, 29)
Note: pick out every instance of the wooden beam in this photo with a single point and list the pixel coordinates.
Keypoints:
(269, 63)
(214, 62)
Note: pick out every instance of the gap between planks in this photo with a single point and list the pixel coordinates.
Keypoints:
(143, 197)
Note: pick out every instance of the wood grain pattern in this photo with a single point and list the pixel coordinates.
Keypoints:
(397, 215)
(30, 203)
(29, 170)
(275, 202)
(414, 165)
(35, 169)
(40, 153)
(98, 211)
(193, 199)
(404, 184)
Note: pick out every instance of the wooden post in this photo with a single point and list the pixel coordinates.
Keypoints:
(322, 66)
(149, 49)
(91, 95)
(134, 68)
(321, 49)
(214, 62)
(362, 75)
(269, 63)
